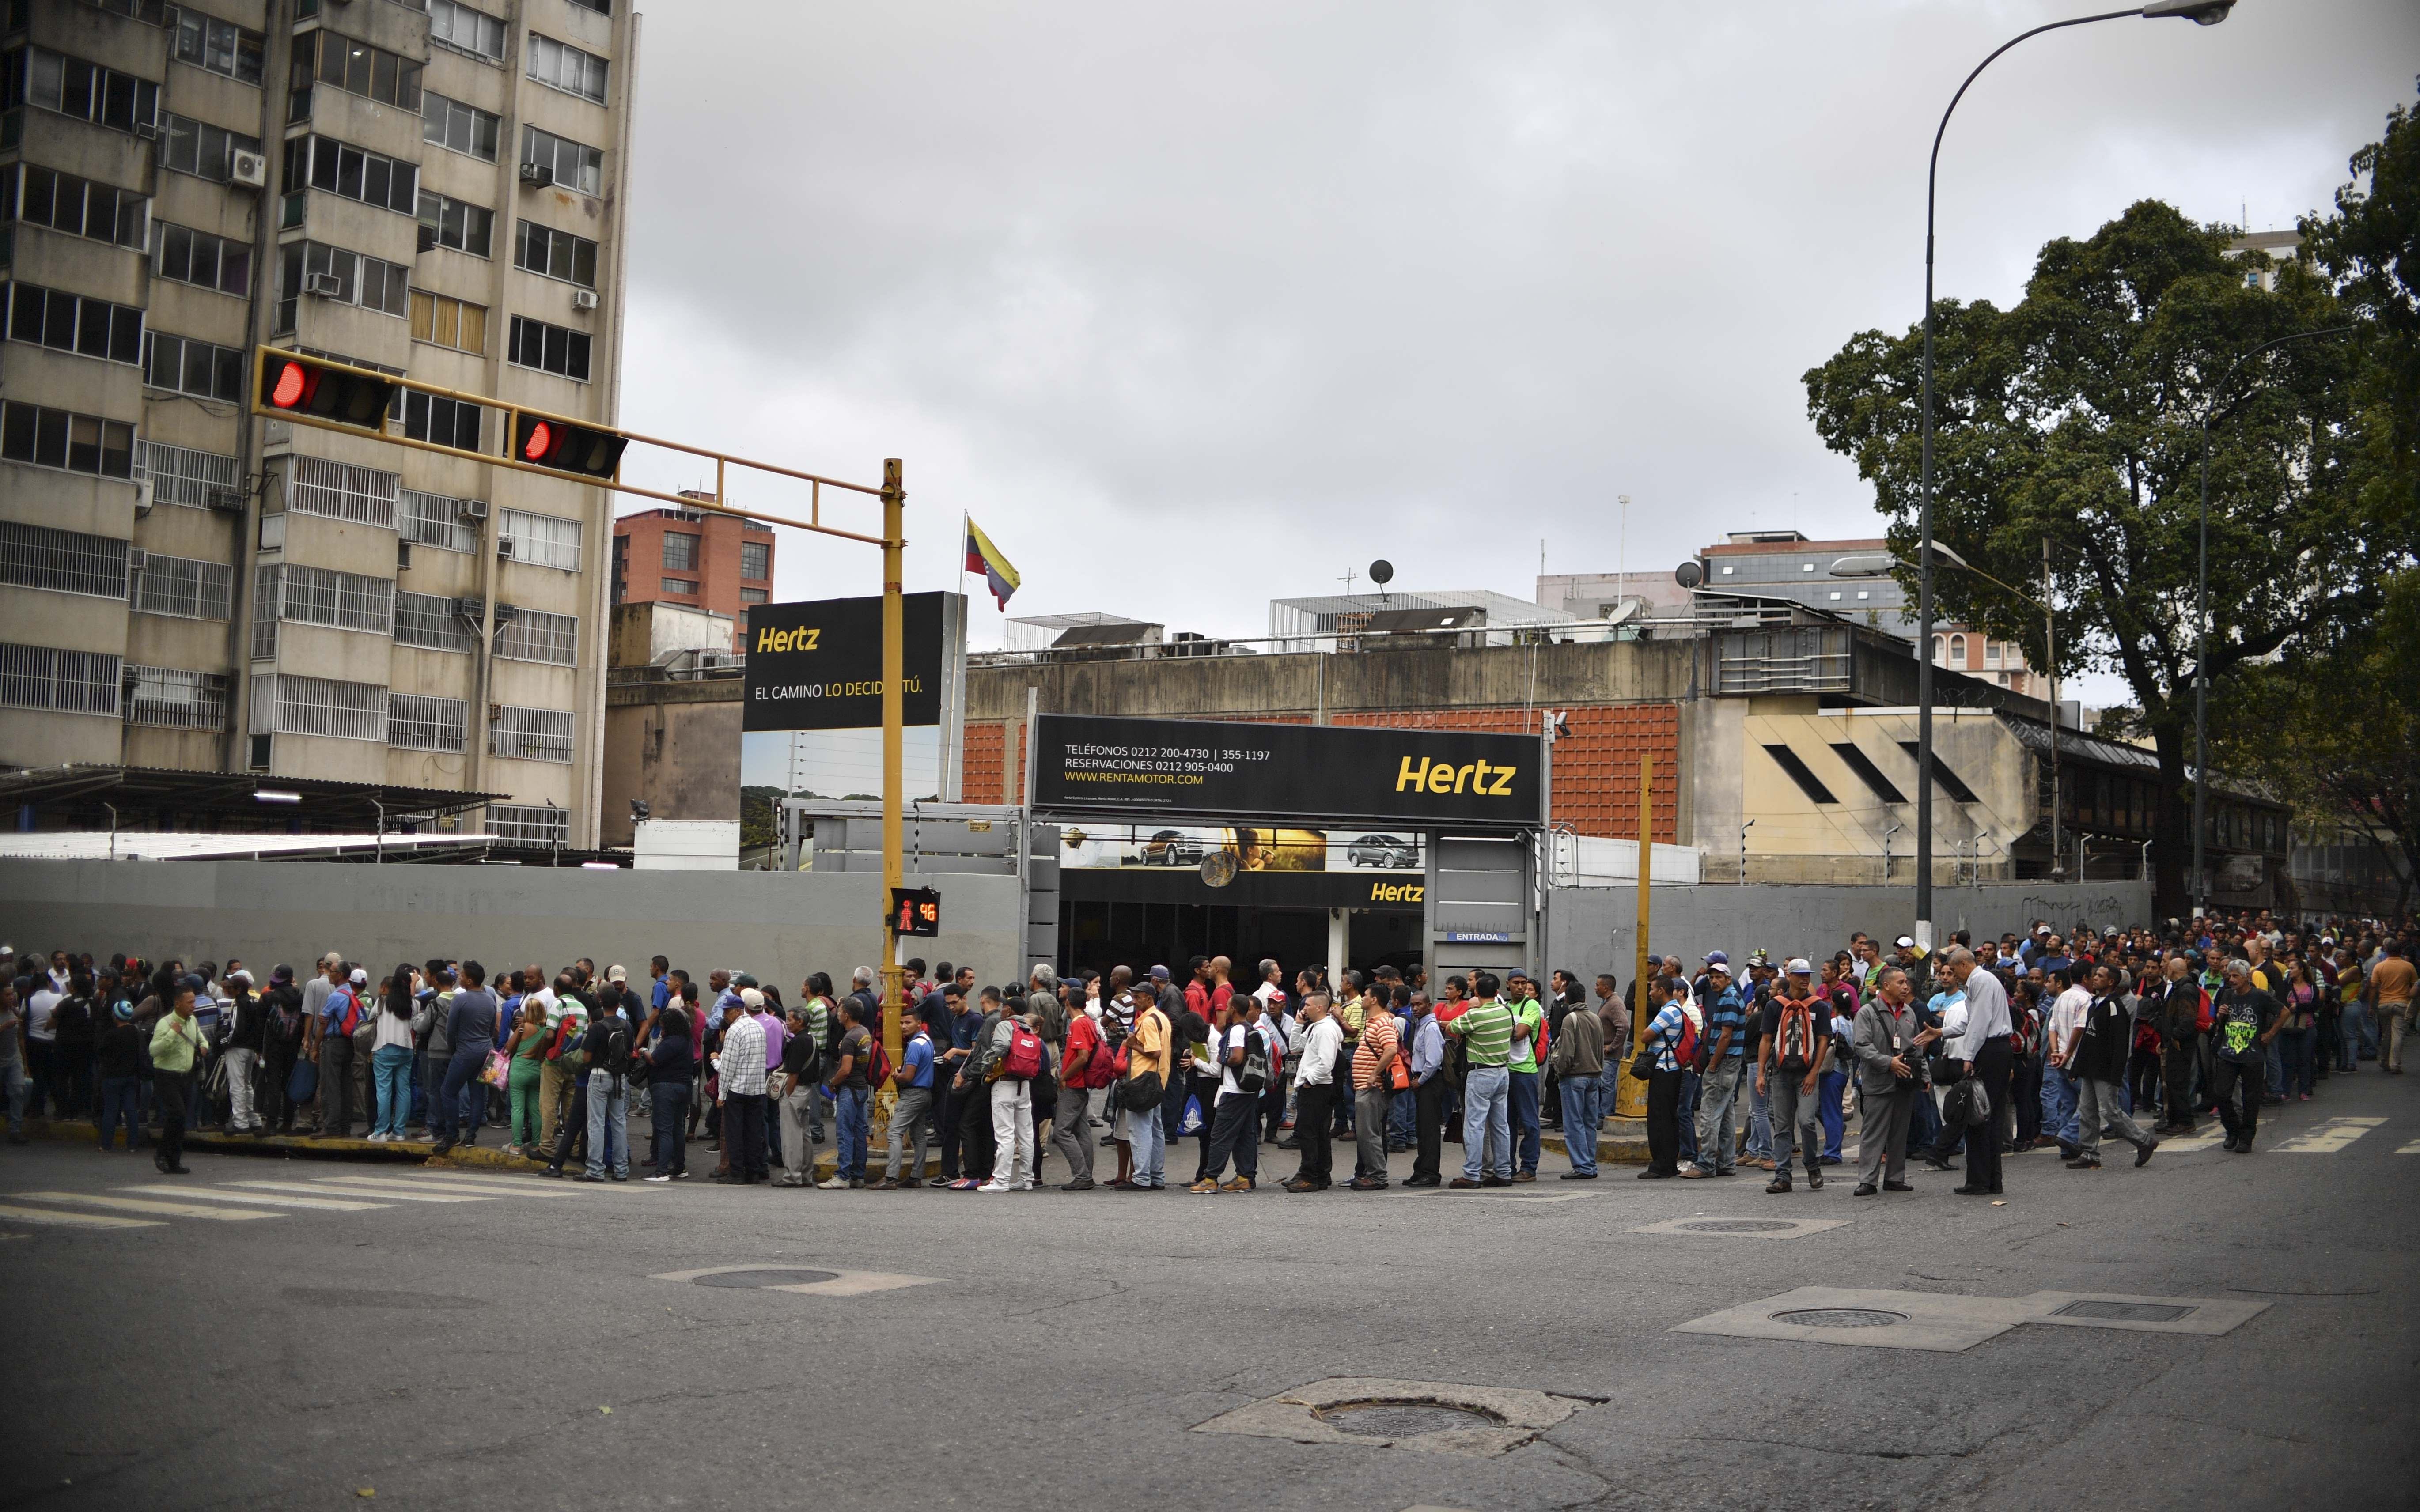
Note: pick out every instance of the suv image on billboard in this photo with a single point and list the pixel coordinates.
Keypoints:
(1388, 852)
(1172, 847)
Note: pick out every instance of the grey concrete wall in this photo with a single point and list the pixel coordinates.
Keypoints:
(1595, 928)
(779, 926)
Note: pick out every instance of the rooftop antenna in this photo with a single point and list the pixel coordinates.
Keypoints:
(1382, 572)
(1347, 580)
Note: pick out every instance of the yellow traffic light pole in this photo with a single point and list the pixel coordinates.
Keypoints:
(1630, 1101)
(894, 708)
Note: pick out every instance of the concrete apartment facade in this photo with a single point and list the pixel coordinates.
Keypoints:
(426, 187)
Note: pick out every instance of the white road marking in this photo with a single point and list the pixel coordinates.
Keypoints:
(324, 1191)
(221, 1195)
(166, 1210)
(75, 1220)
(2327, 1136)
(417, 1186)
(483, 1186)
(2412, 1149)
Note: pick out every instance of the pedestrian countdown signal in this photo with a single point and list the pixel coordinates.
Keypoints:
(915, 911)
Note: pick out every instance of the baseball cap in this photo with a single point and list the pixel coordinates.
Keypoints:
(751, 997)
(1905, 942)
(359, 976)
(1718, 966)
(1716, 958)
(743, 980)
(241, 975)
(1759, 957)
(1159, 973)
(1798, 966)
(617, 974)
(281, 973)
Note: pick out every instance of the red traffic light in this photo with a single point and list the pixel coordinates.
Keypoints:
(307, 386)
(551, 444)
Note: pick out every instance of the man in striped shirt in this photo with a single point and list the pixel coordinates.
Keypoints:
(1485, 1030)
(1726, 1025)
(1372, 1090)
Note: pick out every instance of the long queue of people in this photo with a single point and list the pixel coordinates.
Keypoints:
(1978, 1051)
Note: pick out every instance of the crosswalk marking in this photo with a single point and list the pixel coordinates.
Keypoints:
(2327, 1136)
(2412, 1149)
(324, 1191)
(221, 1195)
(519, 1186)
(166, 1210)
(441, 1183)
(73, 1220)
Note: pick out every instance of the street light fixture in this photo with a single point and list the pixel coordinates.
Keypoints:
(2201, 13)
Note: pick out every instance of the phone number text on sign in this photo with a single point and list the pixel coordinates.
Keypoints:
(1145, 763)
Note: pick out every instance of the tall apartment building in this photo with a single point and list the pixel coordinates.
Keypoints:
(429, 187)
(717, 563)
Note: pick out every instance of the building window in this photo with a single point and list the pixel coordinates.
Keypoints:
(282, 703)
(444, 321)
(183, 365)
(73, 88)
(1864, 593)
(207, 261)
(549, 348)
(183, 587)
(75, 206)
(459, 127)
(675, 585)
(538, 248)
(218, 46)
(574, 165)
(603, 7)
(174, 699)
(57, 439)
(418, 721)
(346, 277)
(1957, 651)
(204, 150)
(680, 552)
(530, 734)
(753, 595)
(541, 540)
(434, 519)
(338, 168)
(1727, 569)
(534, 635)
(73, 323)
(180, 476)
(454, 423)
(1990, 653)
(343, 490)
(356, 68)
(427, 621)
(757, 559)
(567, 68)
(65, 682)
(62, 562)
(151, 12)
(450, 222)
(1834, 596)
(530, 824)
(322, 596)
(453, 24)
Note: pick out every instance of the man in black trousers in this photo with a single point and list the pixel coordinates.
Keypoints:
(1314, 1090)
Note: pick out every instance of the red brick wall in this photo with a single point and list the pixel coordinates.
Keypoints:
(979, 775)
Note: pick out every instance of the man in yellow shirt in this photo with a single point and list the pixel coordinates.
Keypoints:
(1149, 1051)
(176, 1046)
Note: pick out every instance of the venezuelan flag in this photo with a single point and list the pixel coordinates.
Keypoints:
(985, 558)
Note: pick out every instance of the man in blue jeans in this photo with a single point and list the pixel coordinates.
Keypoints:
(607, 1043)
(1579, 1061)
(1485, 1030)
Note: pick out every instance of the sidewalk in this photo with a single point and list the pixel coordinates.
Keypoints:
(287, 1146)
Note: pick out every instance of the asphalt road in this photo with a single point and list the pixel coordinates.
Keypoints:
(463, 1353)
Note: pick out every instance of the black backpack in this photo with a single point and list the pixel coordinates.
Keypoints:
(614, 1054)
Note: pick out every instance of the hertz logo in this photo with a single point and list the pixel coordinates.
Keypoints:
(801, 639)
(1484, 779)
(1397, 892)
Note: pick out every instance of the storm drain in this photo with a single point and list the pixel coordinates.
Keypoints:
(742, 1280)
(2122, 1312)
(1840, 1317)
(1713, 1225)
(1401, 1420)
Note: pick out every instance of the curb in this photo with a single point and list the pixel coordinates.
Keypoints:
(289, 1147)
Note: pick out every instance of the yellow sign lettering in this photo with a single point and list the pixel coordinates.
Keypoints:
(1415, 779)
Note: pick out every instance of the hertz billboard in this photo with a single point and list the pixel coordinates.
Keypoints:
(818, 666)
(1228, 770)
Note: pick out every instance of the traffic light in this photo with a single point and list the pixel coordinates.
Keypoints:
(307, 386)
(551, 444)
(915, 911)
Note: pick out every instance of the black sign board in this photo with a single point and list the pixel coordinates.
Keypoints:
(915, 911)
(818, 666)
(1227, 769)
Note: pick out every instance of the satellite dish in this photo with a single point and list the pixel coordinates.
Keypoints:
(1623, 613)
(1689, 575)
(1218, 868)
(1382, 572)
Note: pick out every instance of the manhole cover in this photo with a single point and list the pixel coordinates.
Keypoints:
(2123, 1312)
(1401, 1420)
(777, 1277)
(1840, 1317)
(1739, 1225)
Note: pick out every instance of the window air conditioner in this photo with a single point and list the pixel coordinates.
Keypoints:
(250, 169)
(137, 559)
(503, 545)
(583, 298)
(326, 286)
(226, 501)
(538, 174)
(473, 508)
(142, 497)
(472, 609)
(427, 238)
(147, 131)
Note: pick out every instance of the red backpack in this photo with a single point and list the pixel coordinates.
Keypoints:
(1684, 1055)
(1024, 1059)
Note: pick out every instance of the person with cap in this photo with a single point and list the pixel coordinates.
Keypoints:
(332, 1031)
(247, 1027)
(740, 1087)
(1793, 1051)
(1719, 1084)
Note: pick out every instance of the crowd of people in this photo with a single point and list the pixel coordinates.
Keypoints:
(1976, 1051)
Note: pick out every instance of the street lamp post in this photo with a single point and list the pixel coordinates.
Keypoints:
(2201, 620)
(2201, 13)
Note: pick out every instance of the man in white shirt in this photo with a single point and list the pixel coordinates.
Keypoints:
(50, 1079)
(1981, 1048)
(2058, 1081)
(1315, 1089)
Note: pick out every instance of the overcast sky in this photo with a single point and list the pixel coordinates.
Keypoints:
(1192, 306)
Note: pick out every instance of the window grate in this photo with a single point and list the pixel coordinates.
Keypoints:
(530, 824)
(63, 562)
(534, 635)
(184, 587)
(541, 540)
(67, 682)
(418, 721)
(282, 703)
(174, 699)
(435, 519)
(427, 620)
(320, 596)
(344, 490)
(531, 734)
(180, 476)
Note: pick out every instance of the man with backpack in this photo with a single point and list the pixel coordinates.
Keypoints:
(1795, 1050)
(1664, 1047)
(606, 1045)
(1725, 1064)
(1149, 1057)
(1243, 1060)
(332, 1037)
(1017, 1060)
(1578, 1056)
(1083, 1058)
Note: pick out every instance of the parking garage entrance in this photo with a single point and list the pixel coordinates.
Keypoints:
(1343, 845)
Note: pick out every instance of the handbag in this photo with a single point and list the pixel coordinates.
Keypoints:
(303, 1083)
(498, 1071)
(1137, 1093)
(778, 1085)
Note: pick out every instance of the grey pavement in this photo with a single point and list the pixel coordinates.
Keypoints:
(454, 1339)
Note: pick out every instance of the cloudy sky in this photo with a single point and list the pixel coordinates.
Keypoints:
(1196, 306)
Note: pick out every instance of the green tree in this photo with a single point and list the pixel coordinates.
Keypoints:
(2371, 248)
(2075, 418)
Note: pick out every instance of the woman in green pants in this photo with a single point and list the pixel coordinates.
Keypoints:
(525, 1050)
